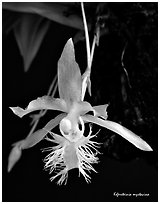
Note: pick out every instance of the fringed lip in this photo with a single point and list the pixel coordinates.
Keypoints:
(67, 155)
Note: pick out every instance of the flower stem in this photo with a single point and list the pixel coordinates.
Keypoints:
(86, 76)
(86, 35)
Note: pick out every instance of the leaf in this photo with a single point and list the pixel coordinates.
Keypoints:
(119, 129)
(9, 20)
(29, 33)
(40, 103)
(51, 10)
(69, 76)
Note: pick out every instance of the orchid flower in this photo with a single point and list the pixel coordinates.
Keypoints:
(71, 149)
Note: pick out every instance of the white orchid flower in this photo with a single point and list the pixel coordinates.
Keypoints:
(71, 149)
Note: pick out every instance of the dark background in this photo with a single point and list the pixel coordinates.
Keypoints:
(122, 168)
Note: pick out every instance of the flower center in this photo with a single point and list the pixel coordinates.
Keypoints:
(72, 133)
(65, 126)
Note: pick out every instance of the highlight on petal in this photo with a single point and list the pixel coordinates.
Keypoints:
(44, 102)
(69, 76)
(119, 129)
(13, 157)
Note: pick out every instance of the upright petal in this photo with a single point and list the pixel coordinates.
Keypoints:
(44, 102)
(119, 129)
(69, 76)
(100, 111)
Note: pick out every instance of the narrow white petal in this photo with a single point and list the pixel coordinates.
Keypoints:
(44, 102)
(119, 129)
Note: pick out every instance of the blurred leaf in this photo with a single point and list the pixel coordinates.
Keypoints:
(29, 33)
(9, 20)
(57, 12)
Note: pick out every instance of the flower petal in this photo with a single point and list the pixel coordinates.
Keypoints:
(31, 140)
(83, 107)
(69, 76)
(37, 136)
(119, 129)
(44, 102)
(101, 111)
(14, 157)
